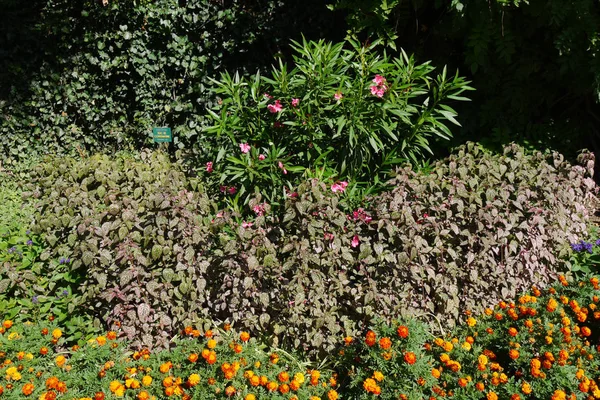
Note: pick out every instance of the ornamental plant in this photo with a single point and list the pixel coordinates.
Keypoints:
(343, 107)
(543, 345)
(37, 363)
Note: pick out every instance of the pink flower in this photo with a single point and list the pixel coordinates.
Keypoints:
(374, 90)
(275, 108)
(339, 186)
(268, 96)
(328, 236)
(244, 147)
(209, 167)
(280, 165)
(223, 189)
(355, 241)
(261, 157)
(259, 209)
(295, 102)
(246, 224)
(232, 190)
(338, 96)
(379, 80)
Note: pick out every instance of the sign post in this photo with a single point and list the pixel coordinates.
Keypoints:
(163, 137)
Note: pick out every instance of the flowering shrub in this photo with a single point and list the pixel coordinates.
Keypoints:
(543, 346)
(586, 256)
(203, 365)
(349, 110)
(319, 272)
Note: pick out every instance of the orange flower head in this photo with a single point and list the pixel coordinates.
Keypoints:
(370, 338)
(410, 357)
(385, 343)
(402, 331)
(512, 331)
(27, 388)
(244, 336)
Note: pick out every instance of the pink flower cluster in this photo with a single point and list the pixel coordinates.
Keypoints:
(355, 241)
(360, 215)
(209, 167)
(275, 108)
(259, 209)
(339, 186)
(338, 96)
(228, 189)
(379, 88)
(328, 236)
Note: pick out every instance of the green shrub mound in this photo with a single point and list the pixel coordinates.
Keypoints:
(133, 230)
(481, 226)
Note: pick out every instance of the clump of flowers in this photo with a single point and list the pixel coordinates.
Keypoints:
(537, 345)
(211, 364)
(380, 86)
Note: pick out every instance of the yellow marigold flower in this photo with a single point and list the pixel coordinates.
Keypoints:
(61, 360)
(250, 396)
(165, 367)
(471, 321)
(559, 395)
(448, 347)
(466, 346)
(526, 388)
(211, 344)
(332, 395)
(378, 376)
(436, 373)
(482, 359)
(194, 379)
(13, 336)
(147, 380)
(299, 377)
(57, 333)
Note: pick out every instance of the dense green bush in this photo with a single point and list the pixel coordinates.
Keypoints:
(480, 226)
(87, 76)
(351, 112)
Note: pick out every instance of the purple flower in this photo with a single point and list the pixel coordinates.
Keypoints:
(35, 300)
(12, 250)
(29, 242)
(597, 242)
(582, 246)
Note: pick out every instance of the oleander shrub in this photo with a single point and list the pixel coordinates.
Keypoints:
(347, 108)
(132, 229)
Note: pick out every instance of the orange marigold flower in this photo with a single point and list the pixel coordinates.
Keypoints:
(244, 336)
(370, 338)
(284, 388)
(112, 335)
(7, 324)
(147, 380)
(559, 395)
(193, 357)
(402, 331)
(44, 351)
(250, 396)
(212, 358)
(515, 397)
(211, 344)
(512, 332)
(462, 382)
(283, 377)
(27, 388)
(208, 334)
(272, 386)
(436, 373)
(410, 357)
(143, 395)
(348, 340)
(491, 396)
(513, 354)
(480, 386)
(165, 367)
(385, 343)
(61, 360)
(585, 331)
(99, 396)
(332, 395)
(193, 379)
(378, 376)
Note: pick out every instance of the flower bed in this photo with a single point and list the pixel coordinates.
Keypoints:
(543, 346)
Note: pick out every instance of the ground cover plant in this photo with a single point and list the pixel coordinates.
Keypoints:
(153, 256)
(542, 345)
